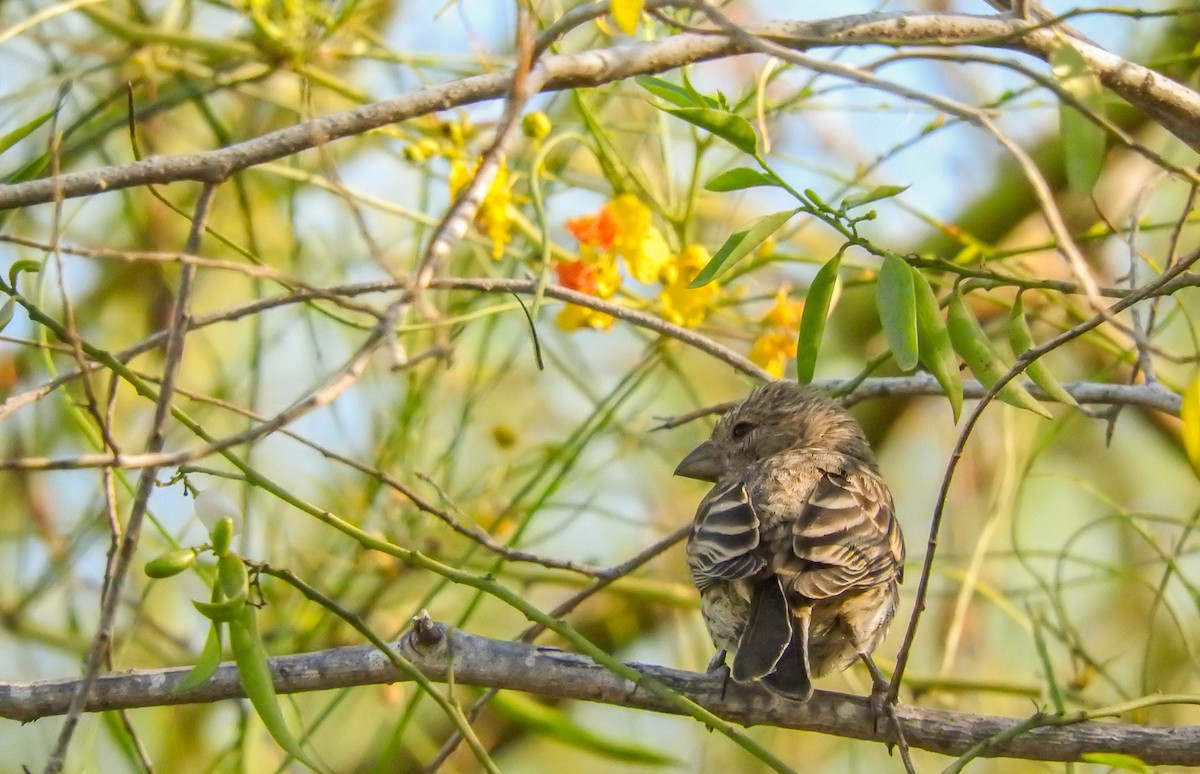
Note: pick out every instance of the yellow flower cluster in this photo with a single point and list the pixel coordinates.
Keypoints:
(498, 207)
(623, 230)
(496, 210)
(776, 341)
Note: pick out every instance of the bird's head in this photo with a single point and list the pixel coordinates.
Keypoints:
(777, 417)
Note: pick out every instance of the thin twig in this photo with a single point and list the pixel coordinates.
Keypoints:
(115, 580)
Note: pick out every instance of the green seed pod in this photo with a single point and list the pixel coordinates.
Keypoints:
(232, 575)
(170, 563)
(222, 535)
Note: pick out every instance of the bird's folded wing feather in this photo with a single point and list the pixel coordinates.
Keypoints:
(724, 543)
(845, 537)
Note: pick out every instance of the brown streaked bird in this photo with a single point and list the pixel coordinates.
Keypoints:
(796, 549)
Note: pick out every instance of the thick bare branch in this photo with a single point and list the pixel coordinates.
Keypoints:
(1168, 102)
(439, 651)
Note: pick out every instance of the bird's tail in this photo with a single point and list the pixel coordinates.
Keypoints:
(773, 647)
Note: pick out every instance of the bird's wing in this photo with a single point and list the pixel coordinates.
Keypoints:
(725, 539)
(844, 537)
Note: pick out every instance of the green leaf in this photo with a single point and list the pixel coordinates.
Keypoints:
(543, 719)
(676, 95)
(1021, 339)
(936, 350)
(251, 659)
(741, 242)
(896, 299)
(6, 313)
(1117, 761)
(23, 131)
(1083, 141)
(737, 179)
(813, 317)
(730, 127)
(982, 358)
(874, 195)
(220, 612)
(1189, 412)
(206, 665)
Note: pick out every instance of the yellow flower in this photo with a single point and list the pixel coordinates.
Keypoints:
(785, 313)
(573, 317)
(495, 211)
(637, 240)
(683, 305)
(776, 343)
(772, 349)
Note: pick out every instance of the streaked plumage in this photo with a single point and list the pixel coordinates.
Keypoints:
(796, 549)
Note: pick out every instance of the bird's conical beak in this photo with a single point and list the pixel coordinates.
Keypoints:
(702, 463)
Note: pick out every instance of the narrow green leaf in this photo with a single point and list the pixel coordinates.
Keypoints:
(24, 130)
(220, 612)
(251, 659)
(1189, 412)
(1021, 339)
(6, 313)
(737, 179)
(676, 95)
(936, 350)
(874, 195)
(981, 357)
(1117, 761)
(206, 665)
(1083, 141)
(543, 719)
(812, 319)
(896, 299)
(730, 127)
(741, 242)
(30, 170)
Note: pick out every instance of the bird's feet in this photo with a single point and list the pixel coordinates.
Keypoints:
(717, 666)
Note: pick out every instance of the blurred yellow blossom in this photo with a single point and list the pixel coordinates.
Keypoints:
(786, 311)
(772, 349)
(574, 317)
(637, 240)
(776, 343)
(496, 209)
(683, 305)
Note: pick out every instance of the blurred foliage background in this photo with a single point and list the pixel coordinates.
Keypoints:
(1067, 562)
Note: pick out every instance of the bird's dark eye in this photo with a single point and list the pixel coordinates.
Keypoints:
(741, 430)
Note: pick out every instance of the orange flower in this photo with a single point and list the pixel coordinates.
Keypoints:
(576, 275)
(599, 229)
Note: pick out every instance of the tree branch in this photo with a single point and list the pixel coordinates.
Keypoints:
(439, 651)
(1168, 102)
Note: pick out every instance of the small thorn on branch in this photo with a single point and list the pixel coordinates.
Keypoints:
(427, 633)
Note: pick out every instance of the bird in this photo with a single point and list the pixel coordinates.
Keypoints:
(796, 550)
